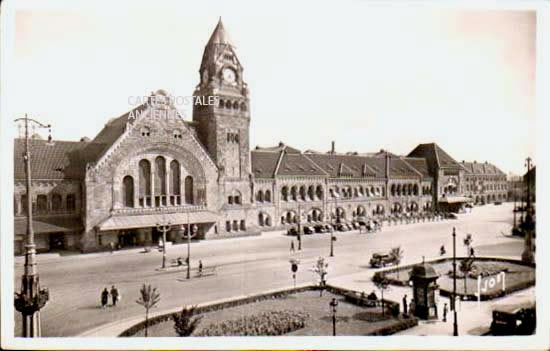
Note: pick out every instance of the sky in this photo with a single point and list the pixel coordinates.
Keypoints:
(367, 75)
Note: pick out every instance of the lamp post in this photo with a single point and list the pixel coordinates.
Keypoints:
(31, 298)
(528, 225)
(455, 322)
(164, 227)
(299, 228)
(191, 232)
(333, 304)
(294, 268)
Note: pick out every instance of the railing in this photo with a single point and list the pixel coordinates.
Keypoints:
(162, 209)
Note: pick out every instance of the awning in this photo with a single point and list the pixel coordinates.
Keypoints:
(49, 225)
(146, 221)
(455, 199)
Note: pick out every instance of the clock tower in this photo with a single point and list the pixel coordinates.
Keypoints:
(221, 111)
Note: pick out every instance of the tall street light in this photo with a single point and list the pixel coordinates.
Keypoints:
(455, 323)
(190, 233)
(528, 225)
(31, 298)
(299, 228)
(333, 304)
(164, 227)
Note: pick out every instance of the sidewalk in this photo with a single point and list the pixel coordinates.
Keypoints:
(75, 255)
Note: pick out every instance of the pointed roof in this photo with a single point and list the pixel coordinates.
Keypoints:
(435, 156)
(219, 36)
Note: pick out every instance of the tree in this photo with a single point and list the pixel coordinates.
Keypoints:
(184, 323)
(148, 299)
(382, 283)
(397, 255)
(320, 269)
(465, 267)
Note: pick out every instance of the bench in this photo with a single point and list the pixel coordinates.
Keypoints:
(206, 271)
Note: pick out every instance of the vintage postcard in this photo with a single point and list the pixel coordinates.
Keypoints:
(237, 175)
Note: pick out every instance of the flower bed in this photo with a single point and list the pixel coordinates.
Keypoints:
(519, 275)
(270, 323)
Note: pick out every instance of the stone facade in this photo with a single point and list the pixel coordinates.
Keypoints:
(150, 167)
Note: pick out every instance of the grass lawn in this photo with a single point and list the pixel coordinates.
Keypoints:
(516, 274)
(351, 319)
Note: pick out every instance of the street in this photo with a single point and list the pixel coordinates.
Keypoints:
(244, 266)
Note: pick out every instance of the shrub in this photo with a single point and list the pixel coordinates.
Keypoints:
(271, 323)
(184, 323)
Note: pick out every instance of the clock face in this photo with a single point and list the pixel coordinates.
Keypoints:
(229, 75)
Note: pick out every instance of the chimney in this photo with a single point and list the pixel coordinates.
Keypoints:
(387, 165)
(333, 148)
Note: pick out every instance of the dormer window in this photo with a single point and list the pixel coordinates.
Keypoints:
(145, 131)
(177, 134)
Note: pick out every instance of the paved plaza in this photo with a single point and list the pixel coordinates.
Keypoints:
(256, 264)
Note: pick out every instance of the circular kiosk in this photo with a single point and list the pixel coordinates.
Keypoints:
(424, 277)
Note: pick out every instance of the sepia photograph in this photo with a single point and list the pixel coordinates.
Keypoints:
(237, 175)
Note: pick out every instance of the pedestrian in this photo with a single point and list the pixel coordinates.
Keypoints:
(472, 251)
(104, 298)
(200, 267)
(114, 295)
(405, 304)
(292, 246)
(442, 250)
(445, 312)
(111, 246)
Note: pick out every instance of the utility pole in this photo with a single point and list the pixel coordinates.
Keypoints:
(455, 323)
(164, 227)
(299, 228)
(31, 298)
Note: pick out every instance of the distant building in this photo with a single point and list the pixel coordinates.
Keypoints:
(150, 167)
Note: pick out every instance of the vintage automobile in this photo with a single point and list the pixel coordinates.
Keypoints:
(381, 260)
(322, 228)
(518, 319)
(292, 231)
(308, 229)
(496, 203)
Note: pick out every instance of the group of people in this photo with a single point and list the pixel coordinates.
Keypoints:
(114, 294)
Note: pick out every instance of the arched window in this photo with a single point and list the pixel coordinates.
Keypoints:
(56, 202)
(261, 219)
(236, 197)
(294, 193)
(144, 183)
(303, 193)
(128, 191)
(243, 225)
(160, 176)
(268, 221)
(392, 190)
(415, 190)
(235, 225)
(243, 106)
(398, 190)
(228, 104)
(42, 203)
(175, 186)
(311, 193)
(284, 193)
(189, 198)
(260, 196)
(319, 192)
(221, 103)
(236, 105)
(267, 196)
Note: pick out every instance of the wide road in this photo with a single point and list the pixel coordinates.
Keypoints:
(244, 266)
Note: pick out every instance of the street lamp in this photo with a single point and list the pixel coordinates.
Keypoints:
(333, 304)
(191, 232)
(455, 323)
(528, 225)
(164, 227)
(31, 298)
(299, 228)
(294, 268)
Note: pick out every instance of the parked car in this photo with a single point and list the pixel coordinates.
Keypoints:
(469, 206)
(451, 216)
(292, 231)
(498, 203)
(308, 229)
(381, 260)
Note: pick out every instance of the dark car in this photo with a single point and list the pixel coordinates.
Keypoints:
(321, 228)
(498, 203)
(292, 231)
(451, 216)
(469, 206)
(308, 229)
(381, 260)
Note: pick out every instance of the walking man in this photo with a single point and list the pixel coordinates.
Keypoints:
(104, 298)
(114, 295)
(200, 267)
(292, 246)
(445, 312)
(405, 305)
